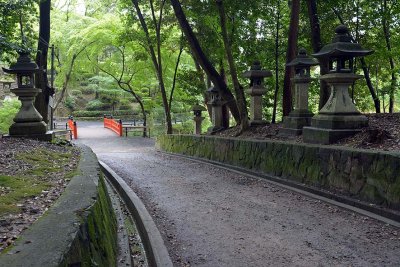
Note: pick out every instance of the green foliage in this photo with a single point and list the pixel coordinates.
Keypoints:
(101, 113)
(91, 89)
(184, 128)
(97, 105)
(114, 29)
(70, 103)
(76, 93)
(8, 110)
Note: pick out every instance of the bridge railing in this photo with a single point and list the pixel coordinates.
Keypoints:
(71, 125)
(114, 125)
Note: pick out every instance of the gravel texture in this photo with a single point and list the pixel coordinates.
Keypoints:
(213, 217)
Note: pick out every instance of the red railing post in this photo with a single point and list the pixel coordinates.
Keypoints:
(75, 130)
(71, 124)
(120, 127)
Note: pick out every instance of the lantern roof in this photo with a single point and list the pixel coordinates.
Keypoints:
(302, 60)
(24, 65)
(256, 71)
(342, 46)
(198, 107)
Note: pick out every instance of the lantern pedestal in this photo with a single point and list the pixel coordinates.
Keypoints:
(300, 116)
(256, 106)
(256, 91)
(339, 118)
(28, 122)
(217, 119)
(197, 124)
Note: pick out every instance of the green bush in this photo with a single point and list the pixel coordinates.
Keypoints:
(183, 128)
(89, 90)
(125, 107)
(70, 103)
(8, 110)
(124, 104)
(100, 113)
(76, 93)
(97, 105)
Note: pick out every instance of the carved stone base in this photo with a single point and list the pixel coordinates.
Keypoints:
(294, 123)
(326, 136)
(47, 136)
(327, 129)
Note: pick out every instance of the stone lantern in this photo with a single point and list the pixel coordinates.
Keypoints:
(339, 117)
(28, 122)
(198, 119)
(300, 115)
(217, 104)
(256, 91)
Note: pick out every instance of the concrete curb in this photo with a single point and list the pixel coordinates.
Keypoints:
(383, 215)
(157, 253)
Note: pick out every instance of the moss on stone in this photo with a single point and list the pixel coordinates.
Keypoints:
(96, 242)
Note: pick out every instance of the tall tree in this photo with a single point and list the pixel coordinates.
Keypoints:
(385, 11)
(277, 33)
(316, 43)
(203, 60)
(42, 99)
(240, 98)
(156, 58)
(290, 55)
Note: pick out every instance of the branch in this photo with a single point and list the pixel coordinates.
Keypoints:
(176, 71)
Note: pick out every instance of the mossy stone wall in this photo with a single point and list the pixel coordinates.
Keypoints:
(80, 229)
(96, 241)
(372, 176)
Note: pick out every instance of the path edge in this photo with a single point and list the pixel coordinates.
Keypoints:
(156, 251)
(338, 200)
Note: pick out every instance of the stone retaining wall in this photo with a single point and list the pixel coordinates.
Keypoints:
(372, 176)
(79, 230)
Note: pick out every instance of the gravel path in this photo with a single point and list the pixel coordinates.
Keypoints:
(213, 217)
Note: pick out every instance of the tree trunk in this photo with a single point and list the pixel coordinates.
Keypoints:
(42, 99)
(290, 55)
(316, 42)
(204, 61)
(278, 25)
(139, 100)
(156, 61)
(240, 97)
(386, 32)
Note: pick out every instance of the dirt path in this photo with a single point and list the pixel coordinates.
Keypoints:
(212, 217)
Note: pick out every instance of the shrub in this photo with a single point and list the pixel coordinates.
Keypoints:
(70, 103)
(97, 105)
(8, 110)
(89, 89)
(183, 128)
(101, 113)
(124, 107)
(76, 93)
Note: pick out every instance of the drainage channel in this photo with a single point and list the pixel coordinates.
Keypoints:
(381, 214)
(131, 251)
(140, 241)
